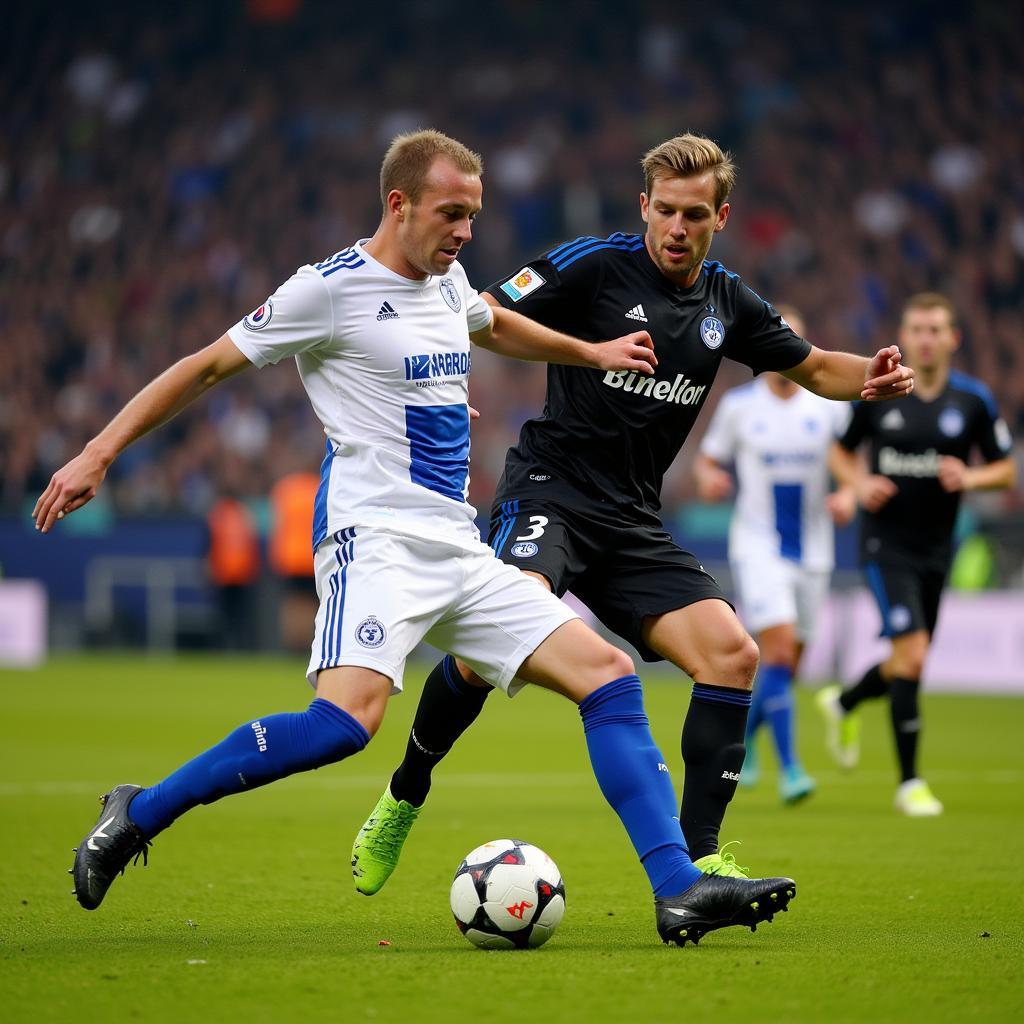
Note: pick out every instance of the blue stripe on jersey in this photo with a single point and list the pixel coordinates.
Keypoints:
(714, 267)
(320, 501)
(560, 250)
(330, 642)
(974, 387)
(874, 577)
(509, 510)
(569, 259)
(439, 447)
(789, 514)
(347, 259)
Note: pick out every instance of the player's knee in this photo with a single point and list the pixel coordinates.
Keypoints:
(469, 676)
(908, 657)
(734, 663)
(619, 663)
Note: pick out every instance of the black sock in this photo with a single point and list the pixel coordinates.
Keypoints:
(713, 753)
(872, 685)
(906, 723)
(448, 707)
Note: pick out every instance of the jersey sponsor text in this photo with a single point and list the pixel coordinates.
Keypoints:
(682, 391)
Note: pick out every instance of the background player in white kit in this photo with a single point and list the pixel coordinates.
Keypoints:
(781, 544)
(381, 334)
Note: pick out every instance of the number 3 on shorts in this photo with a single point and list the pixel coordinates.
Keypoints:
(537, 524)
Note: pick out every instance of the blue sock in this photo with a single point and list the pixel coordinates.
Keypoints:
(635, 781)
(774, 682)
(755, 716)
(254, 754)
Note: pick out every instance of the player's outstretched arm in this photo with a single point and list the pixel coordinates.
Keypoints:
(519, 337)
(843, 376)
(76, 483)
(956, 475)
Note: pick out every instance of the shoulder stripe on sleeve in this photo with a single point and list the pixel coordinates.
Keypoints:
(347, 259)
(973, 386)
(569, 258)
(560, 250)
(714, 267)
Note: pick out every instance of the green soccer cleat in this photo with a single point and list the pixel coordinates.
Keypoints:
(842, 729)
(379, 842)
(722, 863)
(915, 799)
(795, 785)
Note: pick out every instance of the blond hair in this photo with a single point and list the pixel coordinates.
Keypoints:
(930, 300)
(688, 155)
(409, 157)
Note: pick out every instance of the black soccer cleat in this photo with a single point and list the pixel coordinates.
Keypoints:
(105, 852)
(718, 901)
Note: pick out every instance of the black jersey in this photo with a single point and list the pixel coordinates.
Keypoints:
(908, 438)
(613, 435)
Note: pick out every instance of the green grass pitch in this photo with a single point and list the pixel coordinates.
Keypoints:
(247, 912)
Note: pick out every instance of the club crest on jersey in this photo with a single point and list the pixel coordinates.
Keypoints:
(371, 632)
(450, 294)
(259, 318)
(712, 332)
(525, 549)
(951, 422)
(520, 285)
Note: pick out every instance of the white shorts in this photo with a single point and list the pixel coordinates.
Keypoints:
(773, 591)
(381, 593)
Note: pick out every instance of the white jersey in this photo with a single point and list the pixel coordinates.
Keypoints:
(385, 362)
(780, 449)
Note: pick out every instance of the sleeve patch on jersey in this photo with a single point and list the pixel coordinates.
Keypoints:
(521, 284)
(259, 318)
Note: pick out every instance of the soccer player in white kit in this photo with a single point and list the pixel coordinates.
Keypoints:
(381, 335)
(781, 545)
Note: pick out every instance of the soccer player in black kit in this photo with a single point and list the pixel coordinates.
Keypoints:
(579, 504)
(920, 466)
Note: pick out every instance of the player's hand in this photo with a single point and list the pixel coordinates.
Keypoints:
(69, 489)
(954, 474)
(632, 352)
(474, 414)
(887, 377)
(841, 505)
(713, 484)
(874, 491)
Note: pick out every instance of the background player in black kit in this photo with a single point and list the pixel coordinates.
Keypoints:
(579, 504)
(920, 454)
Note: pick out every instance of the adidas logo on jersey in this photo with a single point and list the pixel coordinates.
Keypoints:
(387, 312)
(892, 420)
(637, 313)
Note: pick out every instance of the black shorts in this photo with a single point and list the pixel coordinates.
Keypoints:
(622, 572)
(908, 594)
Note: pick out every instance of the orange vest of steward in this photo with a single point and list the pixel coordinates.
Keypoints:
(234, 556)
(291, 501)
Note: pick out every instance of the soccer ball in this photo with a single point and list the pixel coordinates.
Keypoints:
(507, 894)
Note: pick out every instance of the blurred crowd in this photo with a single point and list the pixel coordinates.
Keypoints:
(159, 176)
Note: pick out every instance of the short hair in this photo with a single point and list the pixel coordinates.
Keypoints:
(930, 300)
(409, 157)
(688, 155)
